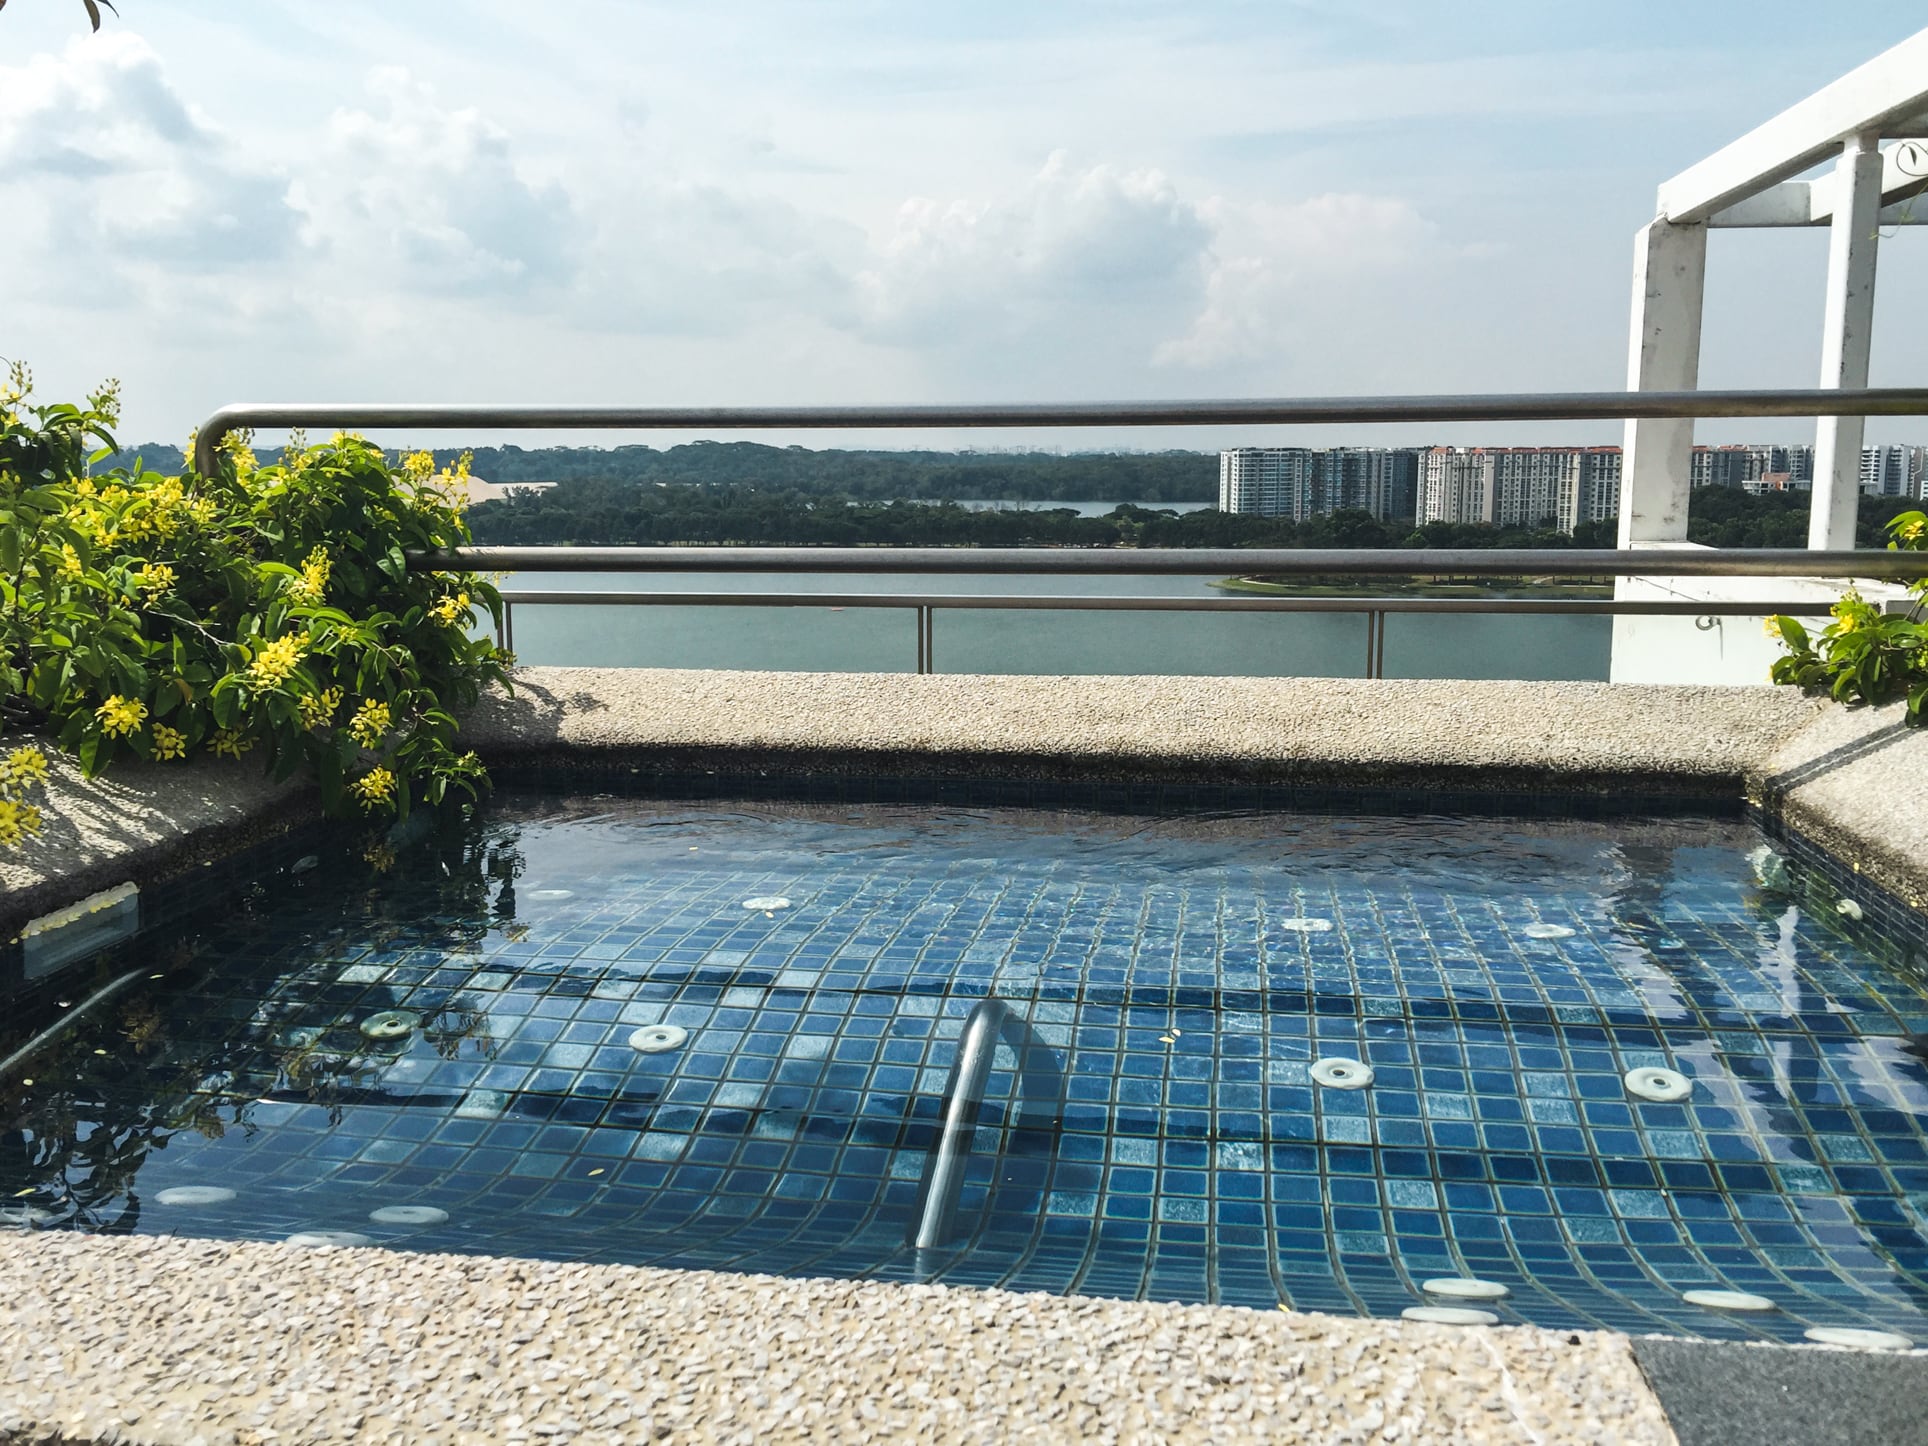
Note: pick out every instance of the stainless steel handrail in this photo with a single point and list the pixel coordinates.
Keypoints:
(1287, 411)
(1040, 1086)
(1780, 562)
(963, 1101)
(998, 602)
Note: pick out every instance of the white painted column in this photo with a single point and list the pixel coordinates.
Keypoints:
(1669, 277)
(1845, 336)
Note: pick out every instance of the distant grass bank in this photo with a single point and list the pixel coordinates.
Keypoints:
(1435, 586)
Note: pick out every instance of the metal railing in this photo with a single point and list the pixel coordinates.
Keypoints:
(1287, 411)
(1039, 1083)
(927, 605)
(1338, 562)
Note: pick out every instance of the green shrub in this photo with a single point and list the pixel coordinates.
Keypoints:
(1864, 655)
(267, 609)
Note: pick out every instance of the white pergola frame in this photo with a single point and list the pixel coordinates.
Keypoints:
(1746, 184)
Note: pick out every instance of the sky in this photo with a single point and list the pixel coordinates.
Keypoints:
(746, 202)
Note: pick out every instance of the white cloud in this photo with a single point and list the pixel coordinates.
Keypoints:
(1275, 267)
(413, 194)
(1079, 256)
(101, 158)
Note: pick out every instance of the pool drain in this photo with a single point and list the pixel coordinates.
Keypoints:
(1662, 1086)
(1302, 925)
(308, 1239)
(391, 1024)
(409, 1215)
(1449, 1315)
(1854, 1336)
(1461, 1287)
(195, 1195)
(1339, 1073)
(767, 903)
(657, 1038)
(1547, 931)
(1728, 1300)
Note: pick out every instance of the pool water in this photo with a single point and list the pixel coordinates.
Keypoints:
(1151, 1126)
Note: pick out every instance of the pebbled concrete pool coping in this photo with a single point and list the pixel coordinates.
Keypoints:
(172, 1342)
(242, 1342)
(1507, 736)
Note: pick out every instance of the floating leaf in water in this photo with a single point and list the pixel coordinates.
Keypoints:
(597, 1171)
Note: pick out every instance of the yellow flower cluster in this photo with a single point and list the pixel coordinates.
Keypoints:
(1911, 530)
(313, 582)
(18, 819)
(157, 512)
(273, 664)
(318, 710)
(377, 786)
(69, 559)
(120, 716)
(169, 742)
(22, 769)
(154, 579)
(1772, 627)
(228, 743)
(236, 445)
(451, 610)
(450, 486)
(370, 723)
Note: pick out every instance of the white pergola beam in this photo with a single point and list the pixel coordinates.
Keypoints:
(1845, 339)
(1904, 175)
(1890, 89)
(1669, 281)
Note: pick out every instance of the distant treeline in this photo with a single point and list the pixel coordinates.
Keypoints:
(1010, 476)
(614, 515)
(751, 494)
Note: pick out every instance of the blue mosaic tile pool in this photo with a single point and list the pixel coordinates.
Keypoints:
(1172, 1145)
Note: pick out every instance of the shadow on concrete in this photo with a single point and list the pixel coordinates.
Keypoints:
(1719, 1393)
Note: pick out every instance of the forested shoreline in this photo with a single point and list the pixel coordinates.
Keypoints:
(753, 494)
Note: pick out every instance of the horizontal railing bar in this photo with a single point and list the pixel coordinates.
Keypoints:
(1282, 411)
(1045, 603)
(1193, 561)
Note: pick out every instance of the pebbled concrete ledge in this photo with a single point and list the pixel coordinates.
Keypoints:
(144, 822)
(171, 1342)
(1507, 736)
(1855, 782)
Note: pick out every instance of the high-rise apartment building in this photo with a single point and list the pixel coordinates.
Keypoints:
(1797, 462)
(1722, 466)
(1599, 485)
(1556, 487)
(1884, 472)
(1266, 481)
(1455, 485)
(1302, 482)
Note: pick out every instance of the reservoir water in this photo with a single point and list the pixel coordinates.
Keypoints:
(1015, 641)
